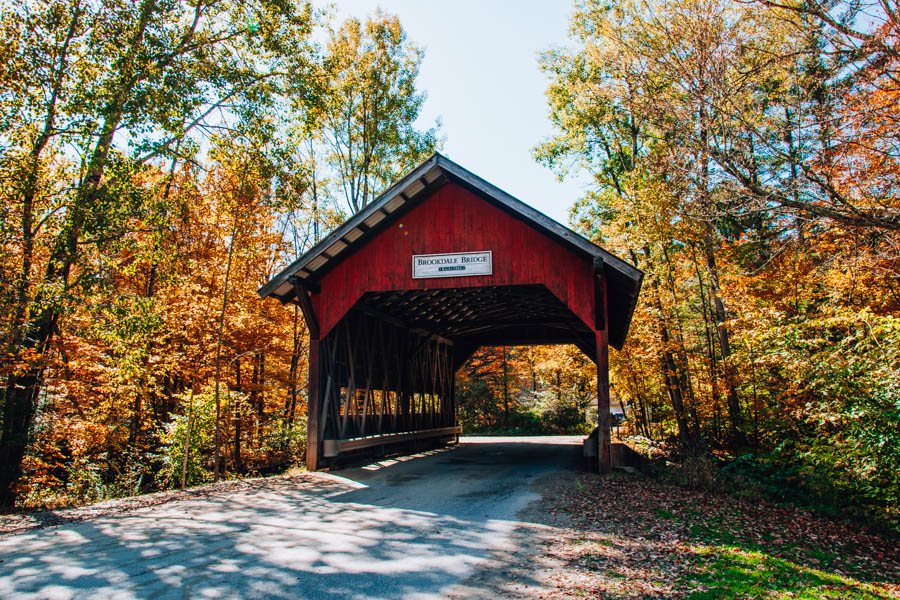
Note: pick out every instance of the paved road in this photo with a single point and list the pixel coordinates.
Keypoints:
(410, 528)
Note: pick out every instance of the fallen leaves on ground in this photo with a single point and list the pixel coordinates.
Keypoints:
(634, 537)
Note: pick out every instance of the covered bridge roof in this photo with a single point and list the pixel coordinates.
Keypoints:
(624, 280)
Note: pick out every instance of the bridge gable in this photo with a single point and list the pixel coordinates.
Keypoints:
(454, 219)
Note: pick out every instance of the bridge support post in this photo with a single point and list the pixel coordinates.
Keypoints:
(601, 326)
(603, 456)
(313, 404)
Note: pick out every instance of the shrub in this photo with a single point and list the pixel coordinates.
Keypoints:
(202, 430)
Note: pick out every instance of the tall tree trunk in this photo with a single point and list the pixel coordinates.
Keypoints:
(531, 363)
(259, 388)
(221, 332)
(142, 396)
(643, 421)
(290, 403)
(315, 195)
(235, 406)
(710, 350)
(684, 369)
(187, 437)
(672, 385)
(734, 405)
(667, 362)
(254, 399)
(558, 386)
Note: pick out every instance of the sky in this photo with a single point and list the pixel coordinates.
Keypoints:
(482, 78)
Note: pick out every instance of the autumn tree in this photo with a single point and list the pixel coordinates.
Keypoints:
(366, 117)
(81, 76)
(743, 157)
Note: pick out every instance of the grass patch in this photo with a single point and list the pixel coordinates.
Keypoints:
(739, 573)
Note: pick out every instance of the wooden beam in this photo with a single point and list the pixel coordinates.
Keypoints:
(382, 316)
(302, 289)
(332, 447)
(351, 376)
(388, 318)
(453, 418)
(603, 417)
(599, 295)
(313, 404)
(313, 287)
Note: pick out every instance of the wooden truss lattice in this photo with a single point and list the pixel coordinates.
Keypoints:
(380, 379)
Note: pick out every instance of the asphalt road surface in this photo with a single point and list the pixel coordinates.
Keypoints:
(419, 527)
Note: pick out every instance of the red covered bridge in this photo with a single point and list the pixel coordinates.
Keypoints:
(399, 296)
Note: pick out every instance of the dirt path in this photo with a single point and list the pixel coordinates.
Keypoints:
(493, 518)
(406, 528)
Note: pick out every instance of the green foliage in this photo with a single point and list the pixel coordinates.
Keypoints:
(476, 405)
(847, 366)
(200, 409)
(90, 478)
(84, 482)
(550, 412)
(286, 445)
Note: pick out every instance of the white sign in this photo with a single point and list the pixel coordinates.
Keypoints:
(458, 264)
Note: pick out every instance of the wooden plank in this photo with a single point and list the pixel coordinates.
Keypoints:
(333, 447)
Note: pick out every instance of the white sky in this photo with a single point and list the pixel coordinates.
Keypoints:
(482, 78)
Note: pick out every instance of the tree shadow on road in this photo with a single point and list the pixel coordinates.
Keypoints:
(284, 541)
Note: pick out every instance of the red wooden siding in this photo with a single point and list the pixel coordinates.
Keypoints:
(456, 220)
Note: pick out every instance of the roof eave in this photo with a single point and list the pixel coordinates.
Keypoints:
(351, 223)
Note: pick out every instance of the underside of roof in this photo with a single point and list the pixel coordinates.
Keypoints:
(624, 280)
(483, 316)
